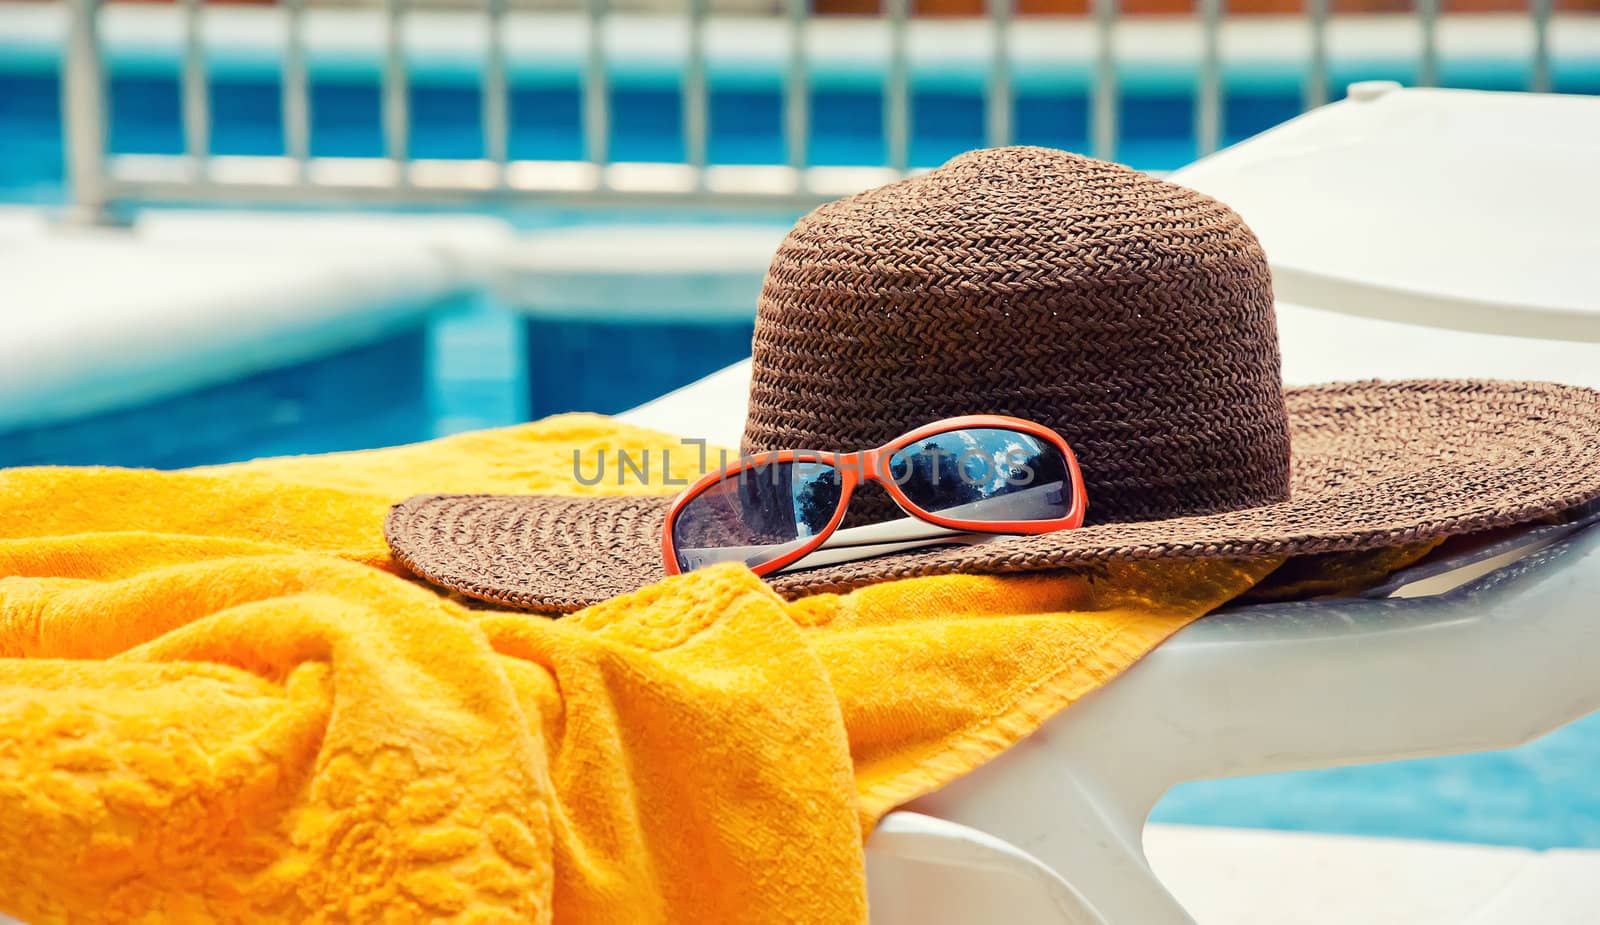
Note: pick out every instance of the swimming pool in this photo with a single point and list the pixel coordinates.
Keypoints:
(469, 367)
(374, 394)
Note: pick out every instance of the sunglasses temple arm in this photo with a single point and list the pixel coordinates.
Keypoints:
(1040, 502)
(906, 529)
(857, 543)
(836, 555)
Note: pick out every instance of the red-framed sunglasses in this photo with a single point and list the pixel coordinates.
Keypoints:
(962, 480)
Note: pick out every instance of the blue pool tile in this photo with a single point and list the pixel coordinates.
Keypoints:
(1246, 113)
(847, 127)
(446, 121)
(144, 115)
(246, 117)
(944, 124)
(612, 366)
(1155, 116)
(30, 110)
(546, 123)
(647, 124)
(345, 118)
(746, 127)
(1054, 121)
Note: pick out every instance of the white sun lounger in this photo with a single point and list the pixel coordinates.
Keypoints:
(1257, 689)
(1050, 832)
(1458, 209)
(1380, 271)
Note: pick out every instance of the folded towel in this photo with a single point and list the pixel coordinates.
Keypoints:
(221, 700)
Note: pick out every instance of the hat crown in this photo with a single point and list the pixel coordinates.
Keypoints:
(1132, 315)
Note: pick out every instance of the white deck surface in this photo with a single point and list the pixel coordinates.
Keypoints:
(100, 318)
(1251, 877)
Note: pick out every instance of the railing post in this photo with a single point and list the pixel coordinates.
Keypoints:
(1540, 78)
(496, 92)
(596, 89)
(897, 88)
(1105, 95)
(696, 93)
(196, 89)
(296, 101)
(1316, 87)
(83, 104)
(396, 91)
(1000, 102)
(797, 91)
(1208, 104)
(1428, 54)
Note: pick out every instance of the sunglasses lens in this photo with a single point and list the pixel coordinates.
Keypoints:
(985, 475)
(757, 515)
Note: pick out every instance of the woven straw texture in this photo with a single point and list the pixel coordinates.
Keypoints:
(1130, 314)
(1375, 464)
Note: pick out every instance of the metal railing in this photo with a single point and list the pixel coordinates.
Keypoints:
(98, 179)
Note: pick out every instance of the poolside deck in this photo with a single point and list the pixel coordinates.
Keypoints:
(1254, 877)
(101, 318)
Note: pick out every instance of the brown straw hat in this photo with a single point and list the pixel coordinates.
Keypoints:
(1133, 316)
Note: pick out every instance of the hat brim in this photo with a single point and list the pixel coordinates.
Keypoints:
(1374, 464)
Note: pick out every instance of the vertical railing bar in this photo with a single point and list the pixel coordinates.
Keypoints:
(1316, 89)
(596, 91)
(897, 89)
(1428, 63)
(196, 97)
(1106, 94)
(1541, 80)
(696, 102)
(495, 90)
(396, 88)
(296, 100)
(797, 89)
(83, 117)
(1000, 102)
(1208, 109)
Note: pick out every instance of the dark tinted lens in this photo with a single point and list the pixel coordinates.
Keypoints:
(985, 474)
(758, 515)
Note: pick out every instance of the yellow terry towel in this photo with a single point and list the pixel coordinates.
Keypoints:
(220, 700)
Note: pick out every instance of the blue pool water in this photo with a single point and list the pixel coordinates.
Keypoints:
(376, 394)
(481, 366)
(659, 357)
(1543, 795)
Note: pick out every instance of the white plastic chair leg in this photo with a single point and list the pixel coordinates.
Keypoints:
(1010, 884)
(1492, 664)
(1083, 817)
